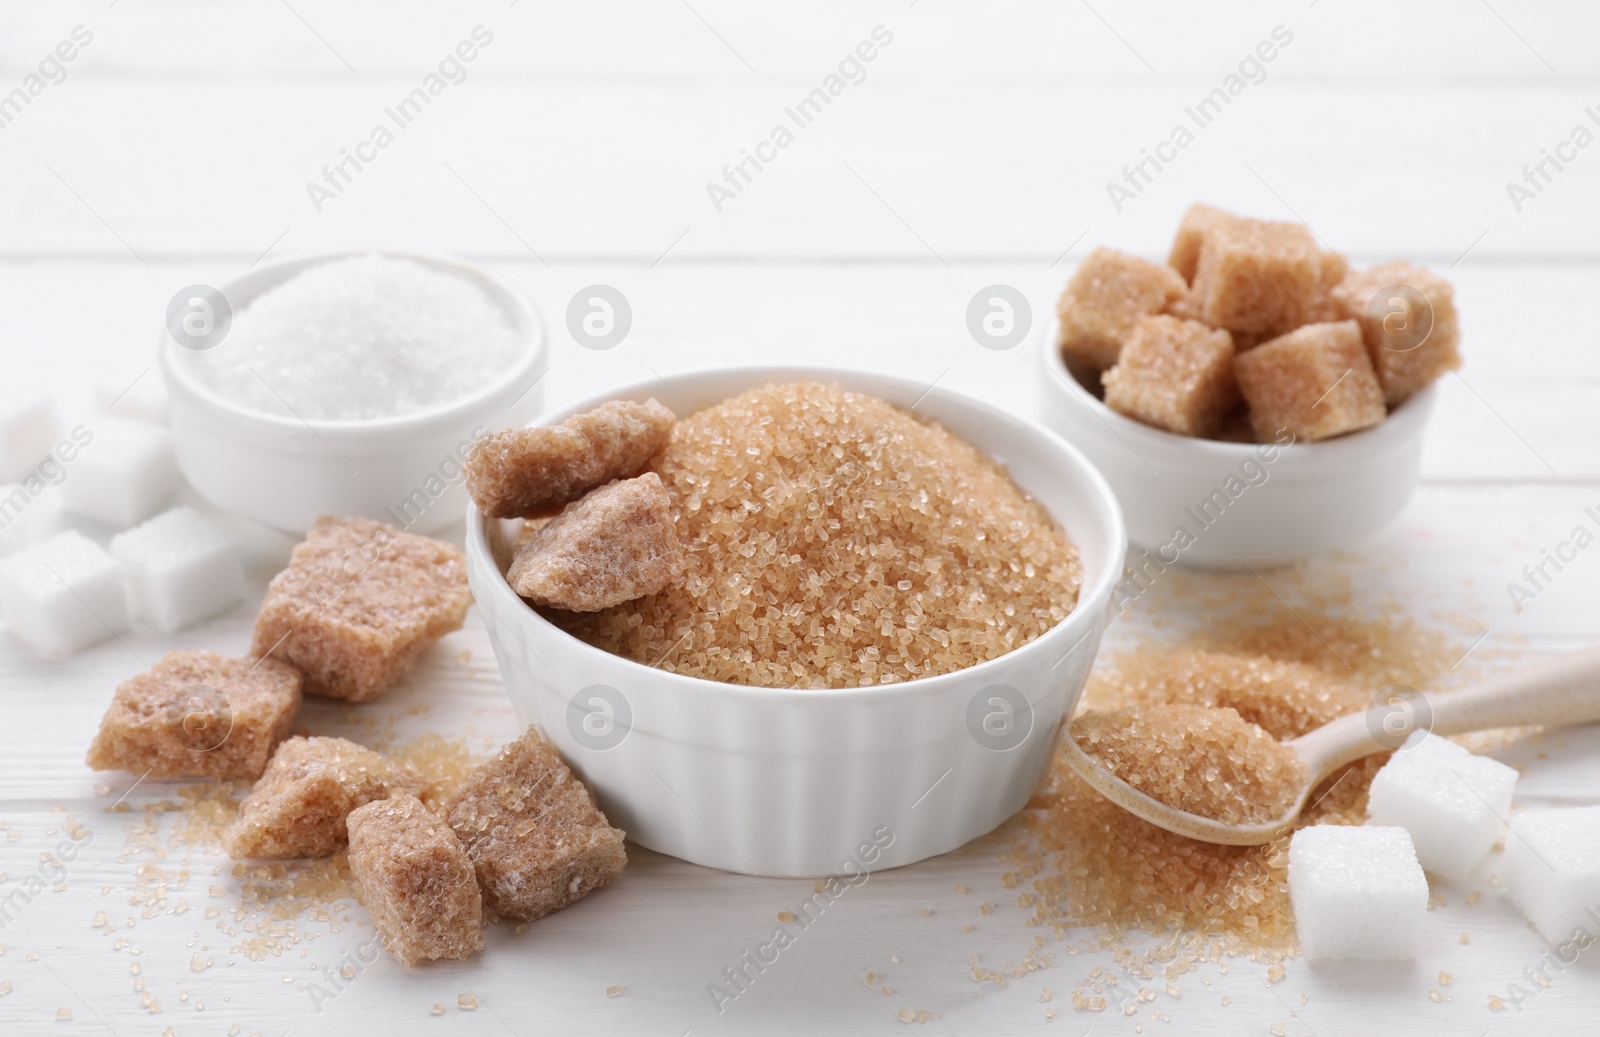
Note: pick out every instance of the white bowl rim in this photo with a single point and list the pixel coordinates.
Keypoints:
(525, 320)
(1402, 423)
(1081, 620)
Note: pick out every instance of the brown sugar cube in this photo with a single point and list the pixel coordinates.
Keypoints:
(1174, 374)
(1412, 336)
(1184, 307)
(1335, 268)
(532, 831)
(616, 544)
(1197, 222)
(1257, 275)
(416, 879)
(523, 472)
(1314, 382)
(298, 807)
(358, 603)
(198, 714)
(1106, 294)
(1324, 308)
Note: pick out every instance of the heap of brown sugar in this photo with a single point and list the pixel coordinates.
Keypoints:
(833, 539)
(1287, 671)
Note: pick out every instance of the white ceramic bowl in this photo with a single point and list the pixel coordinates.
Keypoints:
(404, 470)
(814, 782)
(1231, 505)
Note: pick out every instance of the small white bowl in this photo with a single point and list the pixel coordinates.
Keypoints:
(1232, 505)
(404, 470)
(794, 782)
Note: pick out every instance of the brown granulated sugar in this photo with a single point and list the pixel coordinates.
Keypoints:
(1202, 759)
(833, 540)
(1286, 670)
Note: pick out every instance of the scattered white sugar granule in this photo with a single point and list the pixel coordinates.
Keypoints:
(359, 338)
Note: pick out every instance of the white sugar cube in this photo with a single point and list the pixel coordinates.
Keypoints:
(1357, 891)
(181, 568)
(124, 474)
(63, 595)
(17, 514)
(1552, 870)
(1451, 801)
(263, 550)
(29, 427)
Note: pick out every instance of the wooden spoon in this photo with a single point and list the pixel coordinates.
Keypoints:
(1562, 692)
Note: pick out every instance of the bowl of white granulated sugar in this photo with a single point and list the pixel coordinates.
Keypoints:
(348, 384)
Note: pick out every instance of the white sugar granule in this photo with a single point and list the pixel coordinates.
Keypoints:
(359, 338)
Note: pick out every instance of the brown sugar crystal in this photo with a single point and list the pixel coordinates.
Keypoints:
(1108, 292)
(525, 472)
(198, 714)
(416, 879)
(1174, 374)
(1201, 759)
(1258, 275)
(532, 832)
(358, 603)
(1314, 382)
(298, 807)
(1413, 336)
(832, 539)
(613, 545)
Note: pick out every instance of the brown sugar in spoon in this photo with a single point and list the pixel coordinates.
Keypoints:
(1561, 692)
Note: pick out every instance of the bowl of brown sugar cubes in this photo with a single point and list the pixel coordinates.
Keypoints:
(1253, 400)
(794, 621)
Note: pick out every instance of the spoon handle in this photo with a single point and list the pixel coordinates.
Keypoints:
(1563, 691)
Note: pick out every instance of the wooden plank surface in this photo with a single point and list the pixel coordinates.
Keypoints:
(976, 151)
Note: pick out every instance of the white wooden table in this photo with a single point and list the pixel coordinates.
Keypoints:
(976, 151)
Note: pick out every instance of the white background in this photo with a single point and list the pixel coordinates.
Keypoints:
(976, 152)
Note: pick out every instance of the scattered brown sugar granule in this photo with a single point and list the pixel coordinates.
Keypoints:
(1411, 341)
(1287, 671)
(1174, 374)
(198, 714)
(835, 540)
(1108, 292)
(532, 832)
(443, 763)
(1315, 382)
(1200, 759)
(358, 603)
(298, 808)
(613, 545)
(523, 472)
(416, 880)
